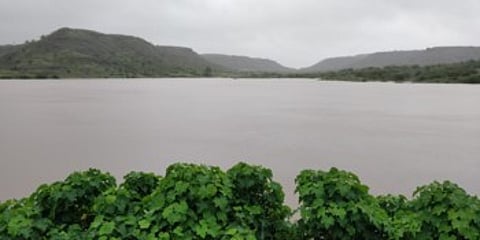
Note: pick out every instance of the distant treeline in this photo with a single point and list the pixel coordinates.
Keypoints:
(465, 72)
(78, 53)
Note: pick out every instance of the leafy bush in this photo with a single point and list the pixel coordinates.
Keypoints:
(405, 223)
(202, 202)
(254, 191)
(191, 202)
(446, 212)
(335, 205)
(70, 202)
(140, 184)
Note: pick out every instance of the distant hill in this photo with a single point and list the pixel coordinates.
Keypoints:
(463, 72)
(429, 56)
(84, 53)
(6, 49)
(77, 53)
(246, 64)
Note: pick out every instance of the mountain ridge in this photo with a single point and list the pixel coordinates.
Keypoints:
(80, 53)
(69, 52)
(246, 63)
(424, 57)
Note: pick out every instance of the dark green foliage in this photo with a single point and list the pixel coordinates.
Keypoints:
(140, 184)
(335, 205)
(393, 204)
(404, 223)
(465, 72)
(62, 210)
(22, 219)
(446, 211)
(191, 202)
(201, 202)
(255, 191)
(70, 202)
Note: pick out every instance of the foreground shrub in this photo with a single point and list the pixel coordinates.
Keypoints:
(335, 205)
(255, 192)
(203, 202)
(446, 211)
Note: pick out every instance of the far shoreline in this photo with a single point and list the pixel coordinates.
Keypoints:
(235, 79)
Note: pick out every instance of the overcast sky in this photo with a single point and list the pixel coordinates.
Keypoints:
(296, 33)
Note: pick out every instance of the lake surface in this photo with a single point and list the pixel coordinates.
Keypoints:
(393, 136)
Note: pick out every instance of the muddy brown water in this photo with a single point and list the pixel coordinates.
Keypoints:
(393, 136)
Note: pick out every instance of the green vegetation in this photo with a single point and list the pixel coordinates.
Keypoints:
(425, 57)
(246, 64)
(335, 205)
(73, 53)
(465, 72)
(201, 202)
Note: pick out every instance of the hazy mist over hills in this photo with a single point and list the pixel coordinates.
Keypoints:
(293, 33)
(429, 56)
(68, 53)
(246, 64)
(84, 53)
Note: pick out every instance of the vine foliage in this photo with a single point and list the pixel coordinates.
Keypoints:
(243, 203)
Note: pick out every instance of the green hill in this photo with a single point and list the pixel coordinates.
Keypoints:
(246, 64)
(427, 57)
(6, 49)
(74, 53)
(464, 72)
